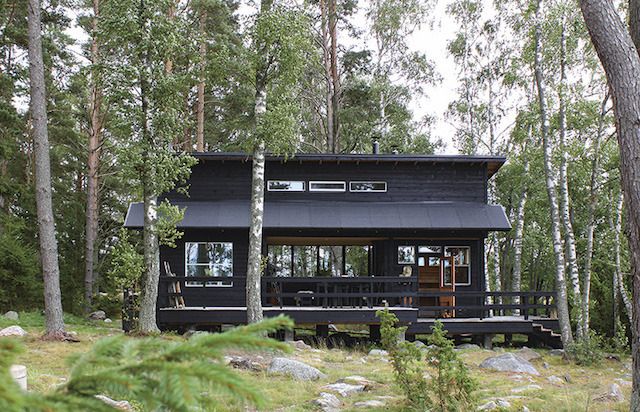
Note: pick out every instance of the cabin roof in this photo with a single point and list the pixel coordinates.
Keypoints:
(493, 162)
(339, 215)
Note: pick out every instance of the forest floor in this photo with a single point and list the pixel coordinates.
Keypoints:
(578, 388)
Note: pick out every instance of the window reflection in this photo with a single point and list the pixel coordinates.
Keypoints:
(305, 261)
(311, 260)
(279, 260)
(357, 260)
(213, 259)
(330, 261)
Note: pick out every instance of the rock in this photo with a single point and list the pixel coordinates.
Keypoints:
(299, 344)
(328, 402)
(14, 330)
(11, 315)
(528, 354)
(122, 405)
(297, 370)
(358, 380)
(19, 374)
(495, 404)
(378, 352)
(545, 365)
(345, 389)
(241, 362)
(614, 394)
(508, 362)
(556, 352)
(107, 320)
(623, 382)
(468, 346)
(567, 377)
(419, 344)
(526, 388)
(98, 315)
(554, 380)
(373, 403)
(525, 409)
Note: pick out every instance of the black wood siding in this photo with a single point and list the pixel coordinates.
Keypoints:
(231, 180)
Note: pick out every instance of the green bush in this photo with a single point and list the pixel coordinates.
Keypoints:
(449, 389)
(587, 350)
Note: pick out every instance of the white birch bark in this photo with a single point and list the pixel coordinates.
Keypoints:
(619, 278)
(516, 282)
(561, 285)
(54, 323)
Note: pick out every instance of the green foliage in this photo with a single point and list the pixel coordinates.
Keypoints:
(587, 350)
(449, 389)
(619, 343)
(168, 217)
(155, 373)
(127, 264)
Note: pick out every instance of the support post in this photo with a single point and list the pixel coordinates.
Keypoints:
(508, 339)
(289, 335)
(487, 341)
(374, 333)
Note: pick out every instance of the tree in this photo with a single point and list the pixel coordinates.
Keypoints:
(621, 61)
(54, 322)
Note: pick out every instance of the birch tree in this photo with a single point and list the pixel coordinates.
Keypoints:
(619, 56)
(54, 323)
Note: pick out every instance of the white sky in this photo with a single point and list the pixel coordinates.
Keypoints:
(429, 39)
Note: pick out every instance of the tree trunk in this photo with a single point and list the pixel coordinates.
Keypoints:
(201, 83)
(561, 285)
(335, 75)
(618, 277)
(151, 249)
(54, 323)
(621, 63)
(593, 203)
(93, 164)
(326, 57)
(516, 284)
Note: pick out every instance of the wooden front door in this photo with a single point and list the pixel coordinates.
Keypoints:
(436, 273)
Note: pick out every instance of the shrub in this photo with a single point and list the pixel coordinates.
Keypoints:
(587, 350)
(451, 387)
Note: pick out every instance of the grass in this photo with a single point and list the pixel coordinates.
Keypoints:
(47, 368)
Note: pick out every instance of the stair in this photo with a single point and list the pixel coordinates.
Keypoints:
(547, 336)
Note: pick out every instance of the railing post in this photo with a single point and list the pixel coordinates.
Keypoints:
(525, 301)
(483, 300)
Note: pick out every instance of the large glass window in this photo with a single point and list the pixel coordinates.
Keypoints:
(214, 259)
(305, 261)
(367, 186)
(285, 186)
(462, 263)
(356, 260)
(330, 260)
(327, 186)
(279, 260)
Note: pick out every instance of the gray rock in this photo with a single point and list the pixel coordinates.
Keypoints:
(508, 362)
(345, 389)
(98, 315)
(328, 402)
(468, 346)
(554, 380)
(14, 330)
(556, 352)
(419, 344)
(495, 404)
(299, 344)
(19, 374)
(613, 394)
(545, 365)
(297, 370)
(623, 382)
(241, 362)
(526, 388)
(528, 354)
(122, 405)
(378, 352)
(567, 377)
(358, 380)
(373, 403)
(11, 315)
(107, 320)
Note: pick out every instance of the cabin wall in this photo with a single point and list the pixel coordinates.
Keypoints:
(406, 182)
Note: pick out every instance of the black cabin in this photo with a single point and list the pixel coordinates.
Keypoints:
(343, 236)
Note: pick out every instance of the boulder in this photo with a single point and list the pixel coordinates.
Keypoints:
(328, 402)
(358, 380)
(297, 370)
(299, 344)
(19, 374)
(14, 330)
(556, 352)
(614, 394)
(121, 405)
(526, 388)
(468, 346)
(373, 403)
(495, 404)
(11, 315)
(345, 389)
(554, 380)
(378, 352)
(528, 354)
(241, 362)
(107, 320)
(98, 315)
(508, 362)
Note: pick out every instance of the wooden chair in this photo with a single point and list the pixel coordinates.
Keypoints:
(175, 290)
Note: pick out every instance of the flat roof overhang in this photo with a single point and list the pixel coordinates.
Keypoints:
(339, 215)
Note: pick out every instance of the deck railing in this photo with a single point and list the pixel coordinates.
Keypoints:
(373, 291)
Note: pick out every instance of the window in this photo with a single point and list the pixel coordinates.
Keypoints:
(214, 259)
(367, 186)
(285, 186)
(356, 260)
(406, 255)
(327, 186)
(461, 262)
(305, 261)
(430, 249)
(279, 261)
(330, 261)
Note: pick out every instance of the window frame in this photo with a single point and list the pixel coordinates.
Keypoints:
(212, 283)
(368, 182)
(468, 265)
(269, 189)
(342, 182)
(413, 261)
